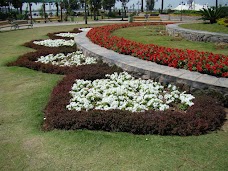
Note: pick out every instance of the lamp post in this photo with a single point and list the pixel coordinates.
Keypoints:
(123, 8)
(138, 3)
(85, 13)
(182, 3)
(169, 8)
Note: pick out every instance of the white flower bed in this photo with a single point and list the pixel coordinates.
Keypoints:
(124, 92)
(85, 29)
(67, 34)
(55, 43)
(75, 58)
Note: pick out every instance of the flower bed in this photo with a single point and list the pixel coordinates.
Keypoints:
(195, 120)
(54, 35)
(193, 60)
(55, 42)
(70, 59)
(68, 34)
(124, 92)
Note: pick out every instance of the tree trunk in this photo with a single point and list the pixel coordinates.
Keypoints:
(57, 8)
(94, 14)
(142, 6)
(21, 9)
(162, 5)
(30, 11)
(216, 4)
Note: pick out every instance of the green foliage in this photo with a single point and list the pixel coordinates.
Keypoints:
(223, 21)
(108, 4)
(187, 12)
(150, 4)
(224, 11)
(211, 14)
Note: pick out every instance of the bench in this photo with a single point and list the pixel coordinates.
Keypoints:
(5, 24)
(144, 18)
(22, 23)
(54, 19)
(38, 20)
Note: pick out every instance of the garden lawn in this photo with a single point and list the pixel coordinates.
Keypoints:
(24, 146)
(206, 27)
(146, 35)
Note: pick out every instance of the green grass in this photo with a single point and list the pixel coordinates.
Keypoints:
(146, 35)
(206, 27)
(24, 146)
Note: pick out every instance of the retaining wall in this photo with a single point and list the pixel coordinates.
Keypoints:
(195, 35)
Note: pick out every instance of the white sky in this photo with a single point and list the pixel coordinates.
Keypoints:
(174, 3)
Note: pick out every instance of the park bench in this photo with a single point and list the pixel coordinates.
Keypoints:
(56, 18)
(146, 18)
(22, 23)
(5, 24)
(38, 20)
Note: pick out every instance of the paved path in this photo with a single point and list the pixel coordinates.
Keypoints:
(150, 69)
(70, 23)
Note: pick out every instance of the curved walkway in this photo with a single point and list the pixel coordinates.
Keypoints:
(151, 70)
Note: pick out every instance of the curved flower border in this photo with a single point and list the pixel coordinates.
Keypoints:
(193, 60)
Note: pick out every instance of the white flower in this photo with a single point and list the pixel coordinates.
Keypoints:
(85, 29)
(55, 42)
(67, 34)
(124, 92)
(75, 58)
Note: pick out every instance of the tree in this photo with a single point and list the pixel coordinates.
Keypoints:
(108, 4)
(95, 5)
(124, 2)
(17, 4)
(150, 4)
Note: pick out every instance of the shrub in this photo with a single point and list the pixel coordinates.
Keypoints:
(223, 21)
(211, 14)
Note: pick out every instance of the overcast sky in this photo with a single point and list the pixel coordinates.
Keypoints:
(174, 3)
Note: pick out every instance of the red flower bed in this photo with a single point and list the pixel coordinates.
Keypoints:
(193, 60)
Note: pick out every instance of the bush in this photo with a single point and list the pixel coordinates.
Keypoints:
(223, 21)
(211, 14)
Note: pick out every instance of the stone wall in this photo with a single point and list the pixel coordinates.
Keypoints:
(194, 35)
(165, 17)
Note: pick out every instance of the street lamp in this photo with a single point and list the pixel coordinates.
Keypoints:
(138, 3)
(123, 8)
(182, 3)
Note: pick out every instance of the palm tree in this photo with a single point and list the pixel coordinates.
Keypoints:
(216, 4)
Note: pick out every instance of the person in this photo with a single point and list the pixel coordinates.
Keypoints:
(146, 17)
